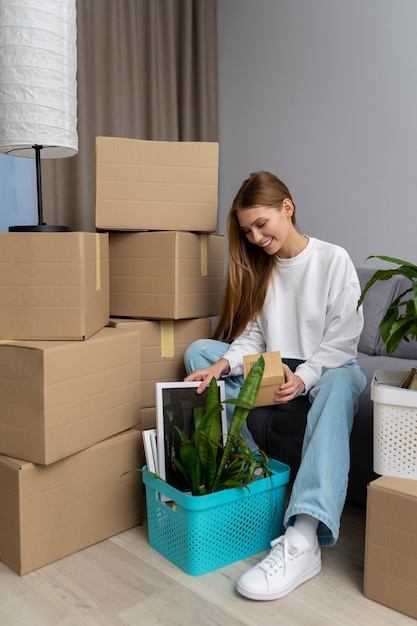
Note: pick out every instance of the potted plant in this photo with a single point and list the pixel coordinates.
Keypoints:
(235, 505)
(208, 466)
(400, 318)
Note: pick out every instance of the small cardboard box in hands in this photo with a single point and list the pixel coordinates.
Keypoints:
(273, 376)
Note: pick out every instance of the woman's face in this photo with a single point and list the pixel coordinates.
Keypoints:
(268, 227)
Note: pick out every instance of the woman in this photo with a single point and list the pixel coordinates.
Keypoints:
(296, 294)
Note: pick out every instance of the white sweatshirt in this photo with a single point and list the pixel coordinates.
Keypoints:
(309, 313)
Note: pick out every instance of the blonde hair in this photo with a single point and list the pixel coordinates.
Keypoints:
(249, 268)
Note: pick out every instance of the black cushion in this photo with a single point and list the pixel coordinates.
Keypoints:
(279, 430)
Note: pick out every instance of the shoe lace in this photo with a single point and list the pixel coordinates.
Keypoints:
(282, 551)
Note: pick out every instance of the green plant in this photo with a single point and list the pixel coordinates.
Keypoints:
(208, 466)
(400, 319)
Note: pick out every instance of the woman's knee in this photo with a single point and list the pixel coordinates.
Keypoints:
(341, 385)
(203, 353)
(348, 378)
(193, 355)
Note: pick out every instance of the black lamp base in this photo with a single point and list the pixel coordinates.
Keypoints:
(39, 228)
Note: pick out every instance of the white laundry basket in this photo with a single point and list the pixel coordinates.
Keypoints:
(395, 425)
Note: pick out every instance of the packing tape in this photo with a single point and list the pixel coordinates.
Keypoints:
(203, 254)
(98, 263)
(167, 338)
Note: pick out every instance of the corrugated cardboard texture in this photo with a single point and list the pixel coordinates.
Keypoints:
(165, 275)
(148, 418)
(162, 347)
(53, 285)
(272, 378)
(156, 185)
(391, 544)
(57, 398)
(48, 512)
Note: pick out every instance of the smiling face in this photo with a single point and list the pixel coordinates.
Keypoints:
(271, 229)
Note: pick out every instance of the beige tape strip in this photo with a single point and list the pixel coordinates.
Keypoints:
(203, 254)
(167, 338)
(98, 262)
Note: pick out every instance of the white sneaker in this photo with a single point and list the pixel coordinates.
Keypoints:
(290, 563)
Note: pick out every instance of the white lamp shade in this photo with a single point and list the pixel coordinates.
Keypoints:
(38, 77)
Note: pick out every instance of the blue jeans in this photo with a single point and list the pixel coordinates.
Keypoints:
(320, 485)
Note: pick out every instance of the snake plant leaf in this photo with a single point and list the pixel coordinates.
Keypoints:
(189, 461)
(199, 457)
(239, 402)
(208, 435)
(189, 458)
(198, 414)
(210, 421)
(247, 394)
(207, 451)
(182, 469)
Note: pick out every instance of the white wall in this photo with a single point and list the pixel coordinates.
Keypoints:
(324, 94)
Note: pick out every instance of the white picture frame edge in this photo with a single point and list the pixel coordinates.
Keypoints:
(159, 387)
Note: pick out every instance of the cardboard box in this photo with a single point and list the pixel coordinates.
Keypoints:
(162, 347)
(53, 285)
(272, 378)
(48, 512)
(391, 544)
(148, 417)
(165, 275)
(156, 185)
(57, 398)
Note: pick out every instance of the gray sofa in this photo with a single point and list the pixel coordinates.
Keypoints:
(279, 430)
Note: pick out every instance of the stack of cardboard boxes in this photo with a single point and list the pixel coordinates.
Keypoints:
(159, 202)
(69, 399)
(76, 390)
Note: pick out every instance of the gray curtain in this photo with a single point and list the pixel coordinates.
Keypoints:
(147, 69)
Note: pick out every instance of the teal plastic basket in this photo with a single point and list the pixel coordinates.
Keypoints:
(202, 533)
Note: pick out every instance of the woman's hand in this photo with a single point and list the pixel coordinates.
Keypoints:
(206, 374)
(291, 388)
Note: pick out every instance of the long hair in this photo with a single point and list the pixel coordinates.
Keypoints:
(249, 269)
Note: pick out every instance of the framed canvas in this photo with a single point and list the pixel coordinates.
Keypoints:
(149, 445)
(175, 404)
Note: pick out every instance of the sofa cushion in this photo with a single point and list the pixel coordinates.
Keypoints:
(374, 306)
(279, 430)
(406, 349)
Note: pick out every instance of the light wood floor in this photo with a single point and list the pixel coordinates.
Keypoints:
(123, 581)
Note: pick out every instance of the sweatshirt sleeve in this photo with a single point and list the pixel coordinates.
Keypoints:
(343, 327)
(251, 341)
